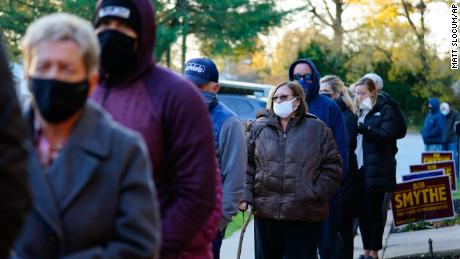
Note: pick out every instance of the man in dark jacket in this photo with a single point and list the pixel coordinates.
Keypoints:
(433, 128)
(171, 116)
(452, 117)
(305, 73)
(14, 197)
(228, 140)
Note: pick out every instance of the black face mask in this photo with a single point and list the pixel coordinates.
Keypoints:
(57, 100)
(117, 52)
(327, 95)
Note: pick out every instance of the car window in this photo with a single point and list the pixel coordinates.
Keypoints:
(244, 106)
(232, 104)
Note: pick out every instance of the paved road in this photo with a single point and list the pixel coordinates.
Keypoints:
(410, 149)
(409, 153)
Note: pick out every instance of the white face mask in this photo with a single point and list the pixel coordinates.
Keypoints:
(366, 104)
(445, 112)
(284, 109)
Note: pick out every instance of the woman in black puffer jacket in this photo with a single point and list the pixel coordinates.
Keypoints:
(349, 192)
(294, 168)
(376, 161)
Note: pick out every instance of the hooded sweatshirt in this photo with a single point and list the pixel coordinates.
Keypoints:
(327, 111)
(435, 123)
(174, 122)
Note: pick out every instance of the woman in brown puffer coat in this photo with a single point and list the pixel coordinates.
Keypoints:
(294, 168)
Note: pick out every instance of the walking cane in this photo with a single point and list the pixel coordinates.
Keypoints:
(243, 229)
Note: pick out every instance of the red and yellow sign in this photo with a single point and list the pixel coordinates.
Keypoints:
(432, 156)
(427, 199)
(448, 166)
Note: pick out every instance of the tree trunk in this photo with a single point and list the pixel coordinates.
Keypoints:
(184, 32)
(168, 57)
(338, 26)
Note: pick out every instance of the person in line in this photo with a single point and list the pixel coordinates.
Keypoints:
(400, 131)
(15, 196)
(228, 140)
(304, 72)
(333, 87)
(93, 196)
(171, 116)
(433, 127)
(452, 117)
(294, 169)
(376, 162)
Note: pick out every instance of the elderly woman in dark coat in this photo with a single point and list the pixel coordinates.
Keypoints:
(92, 193)
(294, 168)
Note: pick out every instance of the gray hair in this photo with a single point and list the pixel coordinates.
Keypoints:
(63, 26)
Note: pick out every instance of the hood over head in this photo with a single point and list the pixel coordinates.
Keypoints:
(146, 34)
(378, 81)
(316, 76)
(435, 104)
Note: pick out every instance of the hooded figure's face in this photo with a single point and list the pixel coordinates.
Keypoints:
(118, 45)
(118, 25)
(304, 76)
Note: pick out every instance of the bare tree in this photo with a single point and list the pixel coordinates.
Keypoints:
(420, 32)
(330, 19)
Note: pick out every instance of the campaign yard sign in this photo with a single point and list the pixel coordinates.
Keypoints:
(436, 156)
(423, 175)
(426, 199)
(448, 166)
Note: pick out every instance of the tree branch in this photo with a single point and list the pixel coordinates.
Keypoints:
(328, 11)
(313, 11)
(406, 13)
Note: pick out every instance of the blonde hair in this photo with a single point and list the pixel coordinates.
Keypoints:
(297, 92)
(371, 86)
(59, 27)
(338, 87)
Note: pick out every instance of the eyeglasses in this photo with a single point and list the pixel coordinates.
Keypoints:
(306, 77)
(282, 98)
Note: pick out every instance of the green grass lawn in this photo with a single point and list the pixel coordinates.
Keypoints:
(236, 224)
(456, 195)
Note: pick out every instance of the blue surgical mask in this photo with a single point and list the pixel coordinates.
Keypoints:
(307, 87)
(209, 98)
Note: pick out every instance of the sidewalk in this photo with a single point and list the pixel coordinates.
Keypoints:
(394, 245)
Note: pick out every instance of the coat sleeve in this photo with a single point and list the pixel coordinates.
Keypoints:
(341, 138)
(251, 166)
(14, 197)
(194, 170)
(436, 126)
(385, 131)
(137, 223)
(330, 170)
(233, 161)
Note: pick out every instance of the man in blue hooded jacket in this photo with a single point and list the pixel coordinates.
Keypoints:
(433, 128)
(305, 73)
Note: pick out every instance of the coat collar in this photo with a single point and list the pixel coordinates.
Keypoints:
(88, 142)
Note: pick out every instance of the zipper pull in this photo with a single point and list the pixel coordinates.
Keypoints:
(284, 135)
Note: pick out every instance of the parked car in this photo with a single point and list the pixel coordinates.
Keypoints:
(244, 106)
(245, 99)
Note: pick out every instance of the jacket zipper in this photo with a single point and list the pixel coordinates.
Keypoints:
(283, 150)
